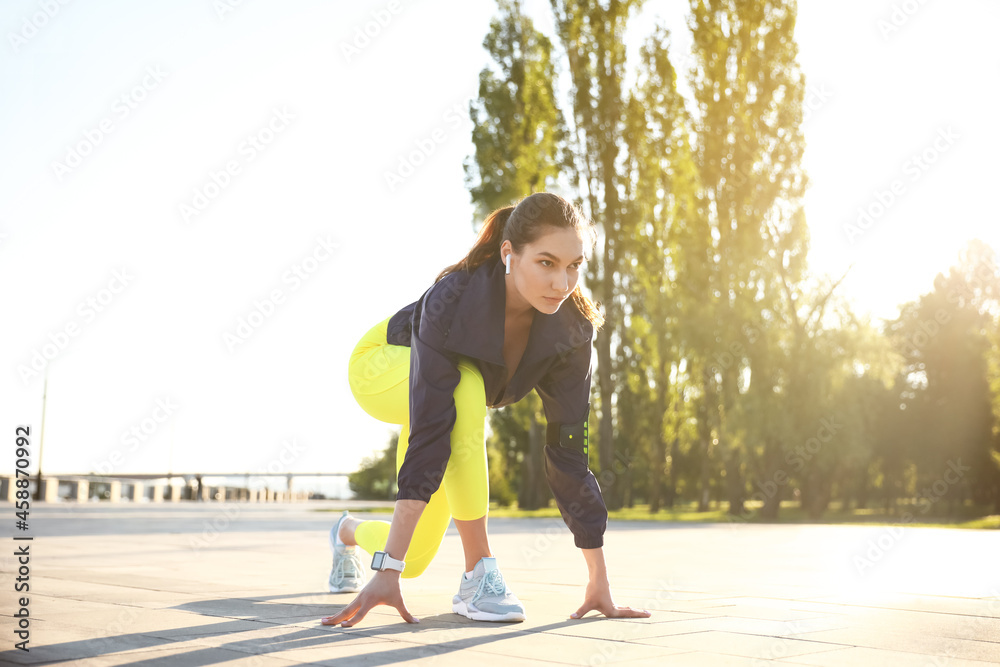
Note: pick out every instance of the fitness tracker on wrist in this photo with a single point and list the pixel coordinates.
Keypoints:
(383, 561)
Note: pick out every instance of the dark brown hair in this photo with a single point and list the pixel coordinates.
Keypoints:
(523, 223)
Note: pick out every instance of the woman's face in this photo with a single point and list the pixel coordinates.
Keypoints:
(546, 272)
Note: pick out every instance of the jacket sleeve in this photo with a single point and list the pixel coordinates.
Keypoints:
(565, 394)
(434, 375)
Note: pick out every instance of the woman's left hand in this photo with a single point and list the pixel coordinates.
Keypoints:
(598, 598)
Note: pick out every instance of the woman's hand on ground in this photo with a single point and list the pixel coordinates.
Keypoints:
(382, 588)
(598, 598)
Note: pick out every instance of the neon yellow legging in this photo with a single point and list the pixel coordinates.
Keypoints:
(379, 375)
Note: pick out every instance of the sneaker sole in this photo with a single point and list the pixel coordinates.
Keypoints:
(459, 606)
(344, 589)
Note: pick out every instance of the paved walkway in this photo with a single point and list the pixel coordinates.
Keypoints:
(202, 584)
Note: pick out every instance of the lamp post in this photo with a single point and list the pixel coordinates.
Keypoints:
(41, 438)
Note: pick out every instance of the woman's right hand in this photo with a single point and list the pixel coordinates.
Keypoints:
(382, 588)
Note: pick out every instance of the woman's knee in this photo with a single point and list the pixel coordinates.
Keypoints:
(414, 568)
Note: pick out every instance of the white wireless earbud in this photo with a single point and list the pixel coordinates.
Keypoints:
(508, 264)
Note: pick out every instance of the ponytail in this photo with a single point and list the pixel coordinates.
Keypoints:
(588, 308)
(487, 245)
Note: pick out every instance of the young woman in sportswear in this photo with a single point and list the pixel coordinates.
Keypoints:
(506, 319)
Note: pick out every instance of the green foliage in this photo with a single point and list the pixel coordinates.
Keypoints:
(517, 443)
(748, 91)
(520, 137)
(517, 126)
(967, 516)
(501, 490)
(726, 370)
(376, 479)
(592, 36)
(946, 389)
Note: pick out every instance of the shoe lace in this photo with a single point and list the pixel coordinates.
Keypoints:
(492, 584)
(348, 565)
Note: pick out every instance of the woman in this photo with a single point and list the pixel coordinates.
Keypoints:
(493, 327)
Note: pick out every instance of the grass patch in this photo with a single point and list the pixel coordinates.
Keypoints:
(790, 513)
(967, 516)
(387, 509)
(990, 522)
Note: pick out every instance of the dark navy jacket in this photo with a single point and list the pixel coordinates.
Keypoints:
(463, 314)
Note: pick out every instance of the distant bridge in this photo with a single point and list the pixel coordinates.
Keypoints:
(191, 475)
(136, 487)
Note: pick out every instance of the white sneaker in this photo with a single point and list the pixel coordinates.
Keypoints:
(347, 575)
(486, 597)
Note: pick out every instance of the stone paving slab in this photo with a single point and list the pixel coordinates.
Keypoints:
(212, 583)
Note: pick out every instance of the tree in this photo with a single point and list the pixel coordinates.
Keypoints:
(518, 131)
(593, 38)
(376, 479)
(748, 92)
(517, 126)
(518, 441)
(659, 204)
(944, 338)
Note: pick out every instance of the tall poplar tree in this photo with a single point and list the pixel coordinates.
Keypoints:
(748, 91)
(518, 129)
(660, 203)
(593, 38)
(518, 132)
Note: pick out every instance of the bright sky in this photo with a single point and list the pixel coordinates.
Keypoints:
(182, 175)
